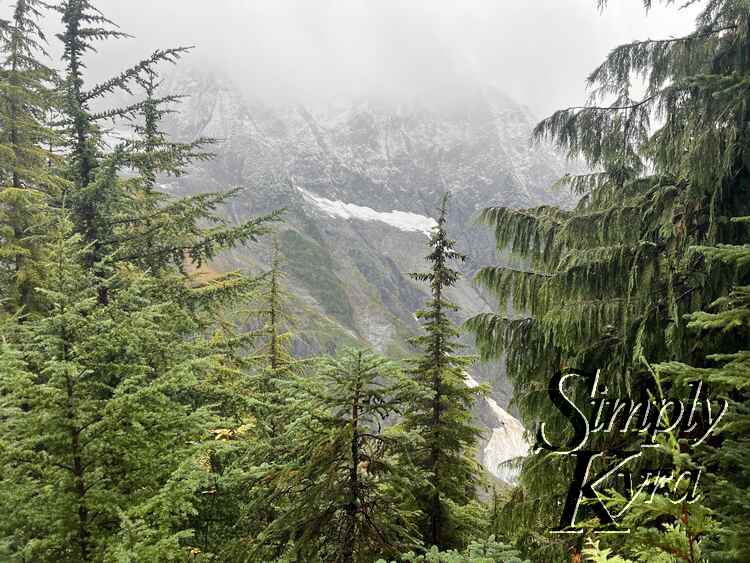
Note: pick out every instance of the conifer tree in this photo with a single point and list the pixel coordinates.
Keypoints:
(278, 355)
(152, 154)
(609, 283)
(257, 415)
(341, 495)
(441, 409)
(277, 365)
(25, 182)
(125, 221)
(121, 389)
(97, 417)
(723, 331)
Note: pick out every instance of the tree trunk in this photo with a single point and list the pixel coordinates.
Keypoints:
(436, 516)
(347, 555)
(80, 489)
(79, 483)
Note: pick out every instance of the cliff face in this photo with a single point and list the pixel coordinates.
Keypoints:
(360, 183)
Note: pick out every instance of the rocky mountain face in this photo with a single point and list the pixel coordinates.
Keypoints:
(360, 184)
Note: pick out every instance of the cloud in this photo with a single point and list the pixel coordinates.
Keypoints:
(538, 51)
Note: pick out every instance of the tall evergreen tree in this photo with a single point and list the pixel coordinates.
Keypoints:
(126, 221)
(97, 414)
(441, 409)
(25, 181)
(278, 355)
(341, 494)
(726, 326)
(116, 385)
(277, 363)
(609, 283)
(257, 414)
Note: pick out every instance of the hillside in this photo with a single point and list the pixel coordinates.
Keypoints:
(360, 183)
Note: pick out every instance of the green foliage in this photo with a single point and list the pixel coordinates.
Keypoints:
(339, 492)
(484, 551)
(441, 406)
(137, 423)
(99, 414)
(592, 552)
(25, 182)
(120, 388)
(308, 261)
(125, 220)
(724, 332)
(616, 284)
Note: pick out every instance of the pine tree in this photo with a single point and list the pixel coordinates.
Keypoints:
(257, 415)
(607, 285)
(341, 495)
(152, 229)
(114, 416)
(441, 410)
(26, 184)
(278, 355)
(277, 363)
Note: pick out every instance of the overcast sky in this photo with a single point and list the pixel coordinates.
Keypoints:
(537, 51)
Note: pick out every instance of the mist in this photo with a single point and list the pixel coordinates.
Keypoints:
(280, 51)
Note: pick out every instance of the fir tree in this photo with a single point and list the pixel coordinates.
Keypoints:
(441, 410)
(341, 494)
(124, 221)
(277, 353)
(257, 414)
(96, 413)
(277, 363)
(121, 389)
(723, 331)
(26, 184)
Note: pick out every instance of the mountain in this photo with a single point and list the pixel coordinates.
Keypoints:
(360, 183)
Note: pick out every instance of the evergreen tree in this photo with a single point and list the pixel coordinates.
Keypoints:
(341, 494)
(257, 413)
(481, 551)
(277, 365)
(441, 409)
(25, 182)
(125, 221)
(609, 283)
(121, 389)
(278, 354)
(723, 331)
(272, 318)
(97, 416)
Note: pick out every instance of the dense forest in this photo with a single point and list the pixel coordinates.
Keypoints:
(149, 413)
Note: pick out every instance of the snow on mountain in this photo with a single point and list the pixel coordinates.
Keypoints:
(361, 182)
(401, 220)
(506, 442)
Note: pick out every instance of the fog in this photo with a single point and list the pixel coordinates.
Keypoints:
(537, 51)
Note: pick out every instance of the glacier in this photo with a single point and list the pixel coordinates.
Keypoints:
(402, 220)
(507, 441)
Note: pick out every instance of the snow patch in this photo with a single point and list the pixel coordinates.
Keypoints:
(402, 220)
(507, 441)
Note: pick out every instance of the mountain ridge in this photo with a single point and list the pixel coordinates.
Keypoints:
(360, 183)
